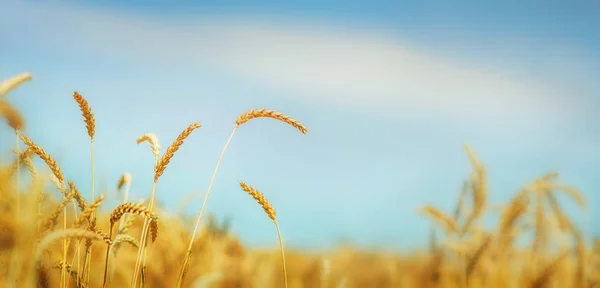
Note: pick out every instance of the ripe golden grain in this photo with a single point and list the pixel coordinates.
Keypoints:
(270, 211)
(11, 83)
(81, 203)
(133, 208)
(447, 222)
(256, 113)
(123, 180)
(164, 161)
(86, 111)
(44, 156)
(12, 115)
(89, 210)
(260, 198)
(154, 143)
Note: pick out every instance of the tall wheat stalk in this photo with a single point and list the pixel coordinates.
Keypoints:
(159, 168)
(90, 124)
(243, 118)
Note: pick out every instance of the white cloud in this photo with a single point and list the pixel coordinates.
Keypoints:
(353, 67)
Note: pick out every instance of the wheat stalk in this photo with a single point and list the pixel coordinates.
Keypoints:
(116, 215)
(90, 124)
(243, 118)
(159, 169)
(270, 211)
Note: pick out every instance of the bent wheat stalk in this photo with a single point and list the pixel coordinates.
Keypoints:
(243, 118)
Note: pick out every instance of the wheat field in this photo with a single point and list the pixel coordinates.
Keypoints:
(56, 234)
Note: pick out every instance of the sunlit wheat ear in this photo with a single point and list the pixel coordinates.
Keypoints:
(44, 156)
(12, 115)
(447, 222)
(256, 113)
(87, 114)
(89, 210)
(125, 179)
(164, 160)
(11, 83)
(54, 236)
(159, 168)
(133, 208)
(270, 211)
(154, 143)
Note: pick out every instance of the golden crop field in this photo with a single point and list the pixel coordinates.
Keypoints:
(76, 241)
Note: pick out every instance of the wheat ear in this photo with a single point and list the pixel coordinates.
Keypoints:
(243, 118)
(154, 143)
(116, 216)
(12, 115)
(159, 168)
(270, 211)
(45, 157)
(90, 125)
(11, 83)
(447, 222)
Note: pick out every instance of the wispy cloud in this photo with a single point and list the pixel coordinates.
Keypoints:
(347, 67)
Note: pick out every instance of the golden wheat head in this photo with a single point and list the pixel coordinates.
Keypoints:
(124, 179)
(81, 203)
(256, 113)
(12, 82)
(12, 115)
(162, 163)
(133, 208)
(44, 156)
(447, 222)
(86, 111)
(154, 143)
(260, 198)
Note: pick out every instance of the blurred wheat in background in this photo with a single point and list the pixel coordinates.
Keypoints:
(85, 248)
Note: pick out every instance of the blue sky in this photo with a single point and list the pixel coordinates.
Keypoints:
(389, 92)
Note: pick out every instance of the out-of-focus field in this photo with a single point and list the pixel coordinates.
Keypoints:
(53, 234)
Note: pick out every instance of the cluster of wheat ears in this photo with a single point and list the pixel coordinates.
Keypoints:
(32, 245)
